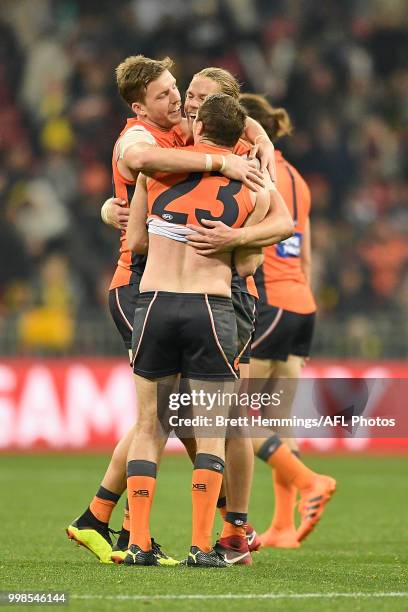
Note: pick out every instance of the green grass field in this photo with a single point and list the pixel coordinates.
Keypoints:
(356, 559)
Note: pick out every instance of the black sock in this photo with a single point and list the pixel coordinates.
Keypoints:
(87, 519)
(123, 540)
(222, 502)
(238, 519)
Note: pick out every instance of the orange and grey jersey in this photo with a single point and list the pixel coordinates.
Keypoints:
(280, 280)
(174, 200)
(130, 266)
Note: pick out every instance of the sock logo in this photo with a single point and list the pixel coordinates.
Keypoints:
(217, 466)
(238, 522)
(199, 487)
(140, 493)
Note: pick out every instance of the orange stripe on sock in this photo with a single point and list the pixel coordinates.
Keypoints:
(140, 491)
(291, 470)
(206, 486)
(102, 508)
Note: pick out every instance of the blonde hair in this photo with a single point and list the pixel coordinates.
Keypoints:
(228, 83)
(135, 73)
(275, 121)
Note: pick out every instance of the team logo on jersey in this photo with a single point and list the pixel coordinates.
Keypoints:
(290, 247)
(167, 216)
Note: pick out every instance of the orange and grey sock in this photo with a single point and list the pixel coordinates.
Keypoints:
(206, 483)
(234, 525)
(290, 469)
(103, 504)
(141, 484)
(97, 515)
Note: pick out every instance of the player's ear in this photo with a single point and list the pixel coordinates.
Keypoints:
(198, 127)
(138, 109)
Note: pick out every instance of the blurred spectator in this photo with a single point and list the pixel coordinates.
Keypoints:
(47, 322)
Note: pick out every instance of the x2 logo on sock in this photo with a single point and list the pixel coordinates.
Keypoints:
(199, 487)
(140, 493)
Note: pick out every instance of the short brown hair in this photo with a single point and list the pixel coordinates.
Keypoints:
(135, 73)
(275, 121)
(223, 119)
(228, 84)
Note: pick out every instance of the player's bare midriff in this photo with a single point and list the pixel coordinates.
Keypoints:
(175, 267)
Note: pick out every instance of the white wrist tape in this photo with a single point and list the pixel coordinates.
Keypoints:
(208, 162)
(224, 163)
(104, 212)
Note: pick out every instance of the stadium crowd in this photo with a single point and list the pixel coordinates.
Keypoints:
(338, 68)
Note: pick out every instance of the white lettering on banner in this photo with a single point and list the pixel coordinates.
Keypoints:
(39, 415)
(92, 404)
(107, 411)
(8, 382)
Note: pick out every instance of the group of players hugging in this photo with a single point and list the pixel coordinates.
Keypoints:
(212, 285)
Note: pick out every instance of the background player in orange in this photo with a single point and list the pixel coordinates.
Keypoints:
(285, 318)
(185, 323)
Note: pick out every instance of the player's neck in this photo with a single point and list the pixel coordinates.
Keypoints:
(155, 125)
(209, 143)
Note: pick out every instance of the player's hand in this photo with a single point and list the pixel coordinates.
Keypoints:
(218, 238)
(265, 152)
(244, 170)
(114, 212)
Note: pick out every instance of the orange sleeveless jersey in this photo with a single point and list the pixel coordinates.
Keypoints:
(280, 280)
(190, 197)
(130, 266)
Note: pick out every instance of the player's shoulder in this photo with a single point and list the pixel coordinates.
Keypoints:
(242, 147)
(283, 165)
(138, 130)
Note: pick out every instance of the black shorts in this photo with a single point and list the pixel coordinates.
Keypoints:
(280, 333)
(122, 304)
(245, 312)
(193, 334)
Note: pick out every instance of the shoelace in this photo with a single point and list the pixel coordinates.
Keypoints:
(156, 548)
(108, 532)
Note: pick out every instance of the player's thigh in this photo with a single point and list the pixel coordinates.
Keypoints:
(262, 368)
(149, 396)
(245, 313)
(122, 303)
(291, 368)
(209, 339)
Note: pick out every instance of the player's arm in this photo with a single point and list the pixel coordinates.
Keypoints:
(264, 149)
(114, 212)
(306, 252)
(156, 159)
(137, 235)
(218, 237)
(248, 259)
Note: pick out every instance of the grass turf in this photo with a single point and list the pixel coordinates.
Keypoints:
(360, 545)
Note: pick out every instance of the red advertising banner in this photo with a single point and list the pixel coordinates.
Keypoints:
(88, 404)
